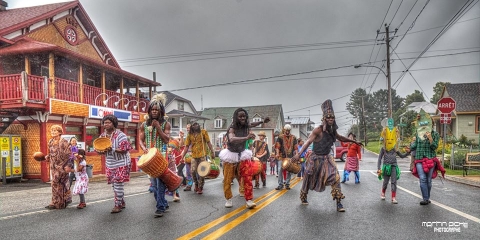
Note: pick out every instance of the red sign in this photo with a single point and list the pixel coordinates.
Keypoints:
(445, 118)
(446, 105)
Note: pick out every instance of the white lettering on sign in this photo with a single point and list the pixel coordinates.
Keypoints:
(446, 105)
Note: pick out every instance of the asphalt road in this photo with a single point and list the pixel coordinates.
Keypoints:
(278, 215)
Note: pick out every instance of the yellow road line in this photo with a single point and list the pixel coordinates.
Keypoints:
(219, 232)
(219, 220)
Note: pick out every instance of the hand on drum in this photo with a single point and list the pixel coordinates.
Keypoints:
(295, 158)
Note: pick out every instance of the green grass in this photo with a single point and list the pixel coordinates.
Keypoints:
(374, 146)
(460, 172)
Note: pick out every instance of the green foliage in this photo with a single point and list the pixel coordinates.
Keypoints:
(437, 92)
(448, 147)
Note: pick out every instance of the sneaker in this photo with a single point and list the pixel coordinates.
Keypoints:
(394, 201)
(340, 208)
(288, 188)
(343, 181)
(81, 205)
(251, 204)
(200, 190)
(279, 188)
(167, 208)
(382, 196)
(264, 184)
(305, 202)
(424, 202)
(357, 182)
(158, 213)
(229, 203)
(188, 188)
(241, 194)
(256, 187)
(123, 205)
(176, 199)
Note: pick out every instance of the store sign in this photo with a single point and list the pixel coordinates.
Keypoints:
(100, 112)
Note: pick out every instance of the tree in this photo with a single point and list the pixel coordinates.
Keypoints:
(437, 91)
(416, 96)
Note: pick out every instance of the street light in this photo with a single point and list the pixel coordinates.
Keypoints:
(106, 101)
(95, 102)
(389, 114)
(134, 106)
(118, 102)
(144, 106)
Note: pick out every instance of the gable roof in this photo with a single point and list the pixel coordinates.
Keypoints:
(428, 107)
(19, 18)
(172, 97)
(272, 111)
(466, 96)
(298, 121)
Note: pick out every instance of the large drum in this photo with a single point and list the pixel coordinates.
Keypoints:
(171, 180)
(256, 166)
(290, 166)
(208, 170)
(153, 163)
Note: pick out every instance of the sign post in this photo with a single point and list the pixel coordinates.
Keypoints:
(446, 106)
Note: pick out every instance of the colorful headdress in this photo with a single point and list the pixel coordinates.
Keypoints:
(390, 138)
(173, 143)
(327, 109)
(423, 124)
(157, 100)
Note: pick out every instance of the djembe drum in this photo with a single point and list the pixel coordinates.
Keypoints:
(208, 170)
(290, 166)
(154, 164)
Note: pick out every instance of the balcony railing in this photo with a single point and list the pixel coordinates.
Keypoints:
(29, 88)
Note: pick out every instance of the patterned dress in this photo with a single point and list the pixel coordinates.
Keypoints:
(59, 153)
(81, 182)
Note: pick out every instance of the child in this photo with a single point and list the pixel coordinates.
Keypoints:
(390, 170)
(273, 164)
(81, 182)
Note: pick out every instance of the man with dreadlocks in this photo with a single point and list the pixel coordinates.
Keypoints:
(155, 133)
(320, 169)
(236, 154)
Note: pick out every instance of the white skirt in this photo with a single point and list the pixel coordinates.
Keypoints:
(232, 157)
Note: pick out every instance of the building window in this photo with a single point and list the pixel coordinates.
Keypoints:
(180, 105)
(257, 119)
(132, 137)
(92, 133)
(44, 71)
(218, 123)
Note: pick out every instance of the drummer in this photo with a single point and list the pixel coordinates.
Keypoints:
(155, 133)
(197, 139)
(236, 153)
(285, 147)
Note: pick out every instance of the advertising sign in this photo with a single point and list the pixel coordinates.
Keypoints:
(99, 112)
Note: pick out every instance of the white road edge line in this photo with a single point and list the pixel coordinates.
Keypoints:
(453, 210)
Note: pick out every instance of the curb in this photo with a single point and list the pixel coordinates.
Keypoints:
(474, 183)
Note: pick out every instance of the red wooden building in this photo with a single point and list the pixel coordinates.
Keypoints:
(55, 68)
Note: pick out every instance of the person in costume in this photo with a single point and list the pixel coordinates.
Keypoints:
(426, 162)
(59, 158)
(174, 157)
(285, 147)
(389, 171)
(320, 168)
(302, 158)
(155, 133)
(117, 160)
(262, 153)
(354, 156)
(188, 164)
(197, 141)
(236, 154)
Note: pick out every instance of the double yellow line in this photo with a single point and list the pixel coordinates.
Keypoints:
(235, 222)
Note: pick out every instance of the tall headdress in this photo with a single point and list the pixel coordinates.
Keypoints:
(157, 100)
(423, 124)
(327, 109)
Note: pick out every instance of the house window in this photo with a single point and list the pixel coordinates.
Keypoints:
(180, 106)
(44, 71)
(257, 119)
(132, 137)
(218, 123)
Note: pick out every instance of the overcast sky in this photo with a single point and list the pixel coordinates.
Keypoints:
(185, 43)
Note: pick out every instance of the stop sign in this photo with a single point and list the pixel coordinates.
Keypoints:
(446, 105)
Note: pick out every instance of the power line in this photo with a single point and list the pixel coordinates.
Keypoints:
(385, 15)
(318, 104)
(401, 23)
(396, 12)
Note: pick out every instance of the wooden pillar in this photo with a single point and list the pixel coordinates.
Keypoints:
(150, 94)
(138, 96)
(28, 68)
(44, 165)
(80, 81)
(121, 92)
(51, 75)
(103, 85)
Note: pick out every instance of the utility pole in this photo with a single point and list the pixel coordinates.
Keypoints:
(364, 123)
(388, 75)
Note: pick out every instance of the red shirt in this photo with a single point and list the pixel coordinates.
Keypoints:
(353, 150)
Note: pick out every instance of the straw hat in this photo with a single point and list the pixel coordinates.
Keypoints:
(262, 133)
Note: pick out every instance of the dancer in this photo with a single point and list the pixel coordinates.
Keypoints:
(426, 161)
(320, 168)
(354, 156)
(390, 170)
(285, 147)
(237, 135)
(58, 156)
(117, 160)
(155, 133)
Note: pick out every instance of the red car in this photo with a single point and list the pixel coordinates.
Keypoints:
(340, 151)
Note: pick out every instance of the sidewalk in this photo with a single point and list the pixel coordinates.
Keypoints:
(469, 180)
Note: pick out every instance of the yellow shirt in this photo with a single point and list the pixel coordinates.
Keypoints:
(199, 143)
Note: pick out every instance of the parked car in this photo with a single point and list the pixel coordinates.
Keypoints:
(340, 151)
